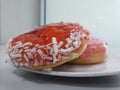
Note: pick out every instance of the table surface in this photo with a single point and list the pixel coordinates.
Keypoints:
(15, 79)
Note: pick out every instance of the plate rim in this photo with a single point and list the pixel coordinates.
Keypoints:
(71, 74)
(94, 73)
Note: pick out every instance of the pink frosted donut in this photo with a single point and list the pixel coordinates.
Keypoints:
(95, 52)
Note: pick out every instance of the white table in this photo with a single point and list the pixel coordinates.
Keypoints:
(14, 79)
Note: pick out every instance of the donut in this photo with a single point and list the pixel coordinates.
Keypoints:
(48, 46)
(95, 52)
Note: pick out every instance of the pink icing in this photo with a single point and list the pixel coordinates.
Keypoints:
(96, 48)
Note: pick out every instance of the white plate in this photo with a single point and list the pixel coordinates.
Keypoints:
(110, 67)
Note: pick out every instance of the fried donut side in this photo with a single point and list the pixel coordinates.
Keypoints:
(48, 46)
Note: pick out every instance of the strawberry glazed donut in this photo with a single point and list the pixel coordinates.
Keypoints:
(95, 52)
(48, 46)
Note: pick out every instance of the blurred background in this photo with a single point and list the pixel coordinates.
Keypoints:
(18, 16)
(100, 17)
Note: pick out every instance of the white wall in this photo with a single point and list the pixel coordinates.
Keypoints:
(100, 17)
(18, 16)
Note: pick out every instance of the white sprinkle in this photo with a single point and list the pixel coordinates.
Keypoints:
(42, 46)
(26, 47)
(72, 35)
(36, 45)
(15, 55)
(51, 51)
(33, 50)
(18, 45)
(77, 37)
(19, 42)
(54, 41)
(27, 44)
(69, 40)
(62, 50)
(76, 44)
(42, 55)
(27, 50)
(36, 63)
(26, 58)
(49, 58)
(54, 58)
(29, 54)
(20, 50)
(60, 44)
(67, 45)
(55, 48)
(70, 49)
(15, 51)
(66, 50)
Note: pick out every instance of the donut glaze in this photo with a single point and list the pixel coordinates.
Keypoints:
(95, 52)
(48, 46)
